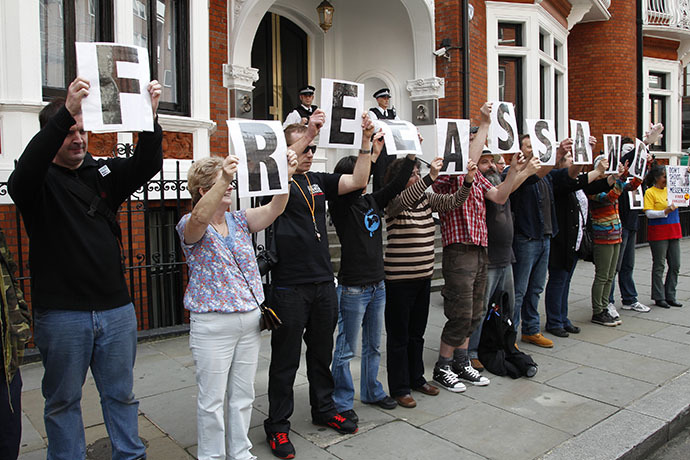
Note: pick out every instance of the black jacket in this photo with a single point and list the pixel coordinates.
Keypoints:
(563, 253)
(75, 258)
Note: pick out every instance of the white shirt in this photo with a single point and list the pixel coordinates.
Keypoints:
(374, 115)
(294, 117)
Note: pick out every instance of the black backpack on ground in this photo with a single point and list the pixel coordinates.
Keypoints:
(497, 350)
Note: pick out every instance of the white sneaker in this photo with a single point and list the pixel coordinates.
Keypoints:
(611, 308)
(637, 306)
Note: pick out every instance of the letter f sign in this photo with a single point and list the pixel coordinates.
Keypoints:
(111, 83)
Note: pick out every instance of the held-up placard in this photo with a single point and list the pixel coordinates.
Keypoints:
(504, 136)
(678, 185)
(118, 97)
(453, 144)
(582, 150)
(635, 197)
(401, 137)
(262, 150)
(543, 138)
(612, 150)
(343, 104)
(638, 168)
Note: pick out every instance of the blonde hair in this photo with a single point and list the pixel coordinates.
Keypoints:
(202, 175)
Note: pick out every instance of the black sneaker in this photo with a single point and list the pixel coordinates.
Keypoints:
(604, 318)
(350, 415)
(339, 423)
(280, 445)
(448, 379)
(470, 374)
(385, 403)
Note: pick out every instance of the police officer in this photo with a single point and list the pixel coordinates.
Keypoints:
(382, 112)
(302, 112)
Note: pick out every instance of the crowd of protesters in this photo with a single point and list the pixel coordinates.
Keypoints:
(68, 201)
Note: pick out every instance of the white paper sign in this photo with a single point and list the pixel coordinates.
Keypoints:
(543, 137)
(635, 197)
(582, 150)
(262, 150)
(118, 97)
(638, 168)
(401, 137)
(453, 145)
(343, 104)
(678, 185)
(612, 150)
(504, 136)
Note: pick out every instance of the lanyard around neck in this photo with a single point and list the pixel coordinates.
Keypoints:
(311, 206)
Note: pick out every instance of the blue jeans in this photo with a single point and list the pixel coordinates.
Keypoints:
(70, 342)
(361, 307)
(625, 267)
(557, 291)
(498, 279)
(529, 272)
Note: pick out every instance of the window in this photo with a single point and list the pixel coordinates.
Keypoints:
(509, 34)
(657, 114)
(657, 80)
(511, 90)
(663, 85)
(62, 23)
(161, 26)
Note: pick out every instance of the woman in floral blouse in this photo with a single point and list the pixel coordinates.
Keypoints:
(223, 296)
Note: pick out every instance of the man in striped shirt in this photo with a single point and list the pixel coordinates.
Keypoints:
(465, 263)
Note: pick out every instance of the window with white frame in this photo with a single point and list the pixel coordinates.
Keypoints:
(526, 53)
(662, 91)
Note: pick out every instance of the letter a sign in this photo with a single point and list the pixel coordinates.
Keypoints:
(261, 148)
(118, 97)
(453, 145)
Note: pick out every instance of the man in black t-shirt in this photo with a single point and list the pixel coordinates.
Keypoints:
(304, 295)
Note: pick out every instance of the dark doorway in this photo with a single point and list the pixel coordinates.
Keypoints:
(280, 52)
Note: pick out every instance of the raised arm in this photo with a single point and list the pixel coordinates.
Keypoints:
(360, 176)
(479, 141)
(263, 216)
(408, 197)
(445, 202)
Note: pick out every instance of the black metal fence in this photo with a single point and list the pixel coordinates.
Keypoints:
(154, 264)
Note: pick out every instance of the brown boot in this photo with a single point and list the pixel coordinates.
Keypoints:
(406, 401)
(538, 340)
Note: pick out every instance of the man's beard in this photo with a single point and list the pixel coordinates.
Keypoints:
(493, 176)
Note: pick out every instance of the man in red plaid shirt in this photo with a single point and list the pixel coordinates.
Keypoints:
(465, 262)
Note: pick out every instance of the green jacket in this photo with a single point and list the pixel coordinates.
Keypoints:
(15, 318)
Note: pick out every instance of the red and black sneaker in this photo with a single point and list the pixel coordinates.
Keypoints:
(280, 445)
(340, 424)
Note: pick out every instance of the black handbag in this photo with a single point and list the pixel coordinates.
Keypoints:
(269, 319)
(586, 251)
(267, 257)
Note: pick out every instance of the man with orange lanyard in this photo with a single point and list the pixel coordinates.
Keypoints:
(303, 289)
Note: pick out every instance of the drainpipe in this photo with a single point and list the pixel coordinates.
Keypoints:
(640, 79)
(466, 60)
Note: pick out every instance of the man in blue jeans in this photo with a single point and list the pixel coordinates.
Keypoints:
(83, 314)
(358, 219)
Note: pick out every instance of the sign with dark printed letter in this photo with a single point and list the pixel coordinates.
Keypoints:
(401, 137)
(612, 149)
(635, 197)
(638, 168)
(504, 135)
(343, 104)
(118, 97)
(543, 138)
(678, 185)
(582, 149)
(453, 144)
(261, 148)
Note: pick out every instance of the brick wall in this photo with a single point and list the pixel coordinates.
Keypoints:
(602, 72)
(218, 55)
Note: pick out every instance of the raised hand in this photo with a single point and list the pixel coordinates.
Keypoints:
(471, 170)
(603, 165)
(76, 92)
(368, 126)
(230, 167)
(292, 163)
(378, 145)
(566, 146)
(436, 166)
(316, 122)
(155, 90)
(485, 113)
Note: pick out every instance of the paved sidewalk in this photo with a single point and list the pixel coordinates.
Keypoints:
(604, 393)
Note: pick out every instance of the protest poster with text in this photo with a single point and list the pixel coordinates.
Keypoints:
(401, 137)
(543, 138)
(503, 132)
(453, 145)
(678, 185)
(343, 104)
(118, 78)
(262, 150)
(582, 150)
(638, 168)
(612, 150)
(635, 197)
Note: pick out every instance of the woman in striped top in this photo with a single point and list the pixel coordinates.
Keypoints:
(409, 265)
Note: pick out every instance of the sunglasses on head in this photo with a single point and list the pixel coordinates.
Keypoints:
(310, 147)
